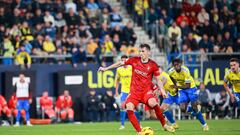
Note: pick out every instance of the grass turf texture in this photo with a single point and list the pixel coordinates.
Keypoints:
(217, 127)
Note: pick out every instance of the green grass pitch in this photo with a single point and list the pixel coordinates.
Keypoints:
(190, 127)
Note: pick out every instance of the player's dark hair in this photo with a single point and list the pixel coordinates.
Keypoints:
(234, 60)
(146, 46)
(177, 60)
(124, 56)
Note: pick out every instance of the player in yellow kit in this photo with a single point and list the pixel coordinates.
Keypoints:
(123, 76)
(233, 76)
(171, 99)
(187, 90)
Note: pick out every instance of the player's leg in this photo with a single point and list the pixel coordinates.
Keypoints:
(152, 102)
(26, 108)
(193, 96)
(8, 113)
(63, 115)
(51, 114)
(70, 114)
(123, 111)
(165, 106)
(19, 108)
(237, 97)
(131, 103)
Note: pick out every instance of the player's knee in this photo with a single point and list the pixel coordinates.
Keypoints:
(152, 102)
(130, 106)
(164, 107)
(63, 115)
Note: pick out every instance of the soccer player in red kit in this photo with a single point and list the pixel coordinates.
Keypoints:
(63, 106)
(47, 105)
(143, 70)
(4, 108)
(12, 104)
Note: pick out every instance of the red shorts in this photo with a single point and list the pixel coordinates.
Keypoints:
(139, 97)
(146, 107)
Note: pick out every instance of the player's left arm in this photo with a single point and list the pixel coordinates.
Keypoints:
(159, 82)
(226, 87)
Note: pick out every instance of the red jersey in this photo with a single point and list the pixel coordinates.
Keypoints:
(142, 74)
(2, 101)
(46, 103)
(12, 103)
(64, 102)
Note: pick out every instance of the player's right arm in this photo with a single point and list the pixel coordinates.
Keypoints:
(226, 87)
(115, 65)
(117, 80)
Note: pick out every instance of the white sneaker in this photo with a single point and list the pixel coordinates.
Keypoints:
(17, 124)
(29, 124)
(121, 127)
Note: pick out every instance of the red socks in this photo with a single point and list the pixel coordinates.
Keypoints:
(133, 120)
(159, 114)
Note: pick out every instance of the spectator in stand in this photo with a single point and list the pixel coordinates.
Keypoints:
(48, 45)
(197, 7)
(166, 17)
(115, 18)
(72, 19)
(108, 47)
(205, 99)
(116, 42)
(203, 16)
(237, 45)
(50, 30)
(92, 105)
(221, 104)
(46, 104)
(182, 18)
(93, 8)
(228, 42)
(26, 32)
(64, 107)
(94, 30)
(23, 58)
(162, 39)
(186, 7)
(38, 17)
(49, 18)
(70, 5)
(79, 55)
(205, 44)
(175, 34)
(193, 20)
(191, 42)
(84, 34)
(103, 4)
(152, 18)
(60, 22)
(91, 47)
(8, 51)
(132, 50)
(129, 34)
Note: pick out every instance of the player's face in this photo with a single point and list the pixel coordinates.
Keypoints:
(177, 66)
(45, 94)
(66, 93)
(234, 66)
(21, 77)
(144, 53)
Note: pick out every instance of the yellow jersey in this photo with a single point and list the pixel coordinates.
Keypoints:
(182, 77)
(124, 75)
(234, 79)
(164, 77)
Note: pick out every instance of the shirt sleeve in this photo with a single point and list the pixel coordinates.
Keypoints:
(155, 70)
(117, 77)
(226, 78)
(129, 61)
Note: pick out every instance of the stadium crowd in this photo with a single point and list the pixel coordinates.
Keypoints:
(46, 27)
(183, 27)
